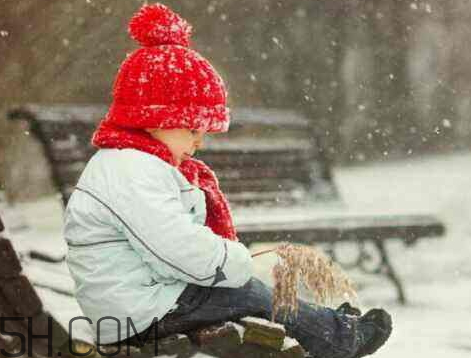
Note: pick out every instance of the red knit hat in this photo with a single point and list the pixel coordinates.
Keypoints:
(165, 84)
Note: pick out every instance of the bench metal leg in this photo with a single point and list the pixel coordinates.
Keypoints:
(372, 264)
(390, 272)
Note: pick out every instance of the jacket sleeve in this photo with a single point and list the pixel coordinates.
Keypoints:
(165, 236)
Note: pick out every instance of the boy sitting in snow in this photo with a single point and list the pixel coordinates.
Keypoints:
(150, 234)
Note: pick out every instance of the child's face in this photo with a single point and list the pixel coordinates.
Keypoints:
(183, 143)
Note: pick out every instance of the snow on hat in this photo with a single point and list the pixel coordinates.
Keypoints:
(165, 84)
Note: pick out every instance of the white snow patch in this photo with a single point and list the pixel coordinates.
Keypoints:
(289, 343)
(263, 322)
(240, 331)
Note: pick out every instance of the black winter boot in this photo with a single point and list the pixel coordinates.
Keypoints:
(374, 328)
(347, 308)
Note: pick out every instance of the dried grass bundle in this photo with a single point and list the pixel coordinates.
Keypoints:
(315, 270)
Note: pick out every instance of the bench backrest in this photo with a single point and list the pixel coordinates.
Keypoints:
(266, 157)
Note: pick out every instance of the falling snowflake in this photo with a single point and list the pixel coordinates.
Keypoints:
(428, 8)
(446, 123)
(4, 33)
(143, 78)
(300, 12)
(252, 77)
(391, 76)
(211, 9)
(361, 107)
(414, 6)
(207, 89)
(277, 42)
(264, 56)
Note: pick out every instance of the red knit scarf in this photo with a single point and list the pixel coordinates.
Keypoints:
(218, 216)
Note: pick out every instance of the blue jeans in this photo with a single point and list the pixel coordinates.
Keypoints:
(320, 330)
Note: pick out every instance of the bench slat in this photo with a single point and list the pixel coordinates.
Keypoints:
(9, 263)
(69, 173)
(405, 227)
(257, 185)
(272, 197)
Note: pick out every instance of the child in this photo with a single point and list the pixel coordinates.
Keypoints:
(150, 234)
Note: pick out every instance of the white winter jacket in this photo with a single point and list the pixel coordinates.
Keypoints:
(136, 236)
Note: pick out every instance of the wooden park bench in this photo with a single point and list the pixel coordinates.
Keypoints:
(30, 331)
(21, 310)
(279, 186)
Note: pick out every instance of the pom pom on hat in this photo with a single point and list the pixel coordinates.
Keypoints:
(156, 25)
(170, 86)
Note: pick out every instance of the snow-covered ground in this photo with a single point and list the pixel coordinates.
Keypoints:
(437, 273)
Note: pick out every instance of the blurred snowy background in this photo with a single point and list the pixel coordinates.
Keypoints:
(379, 79)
